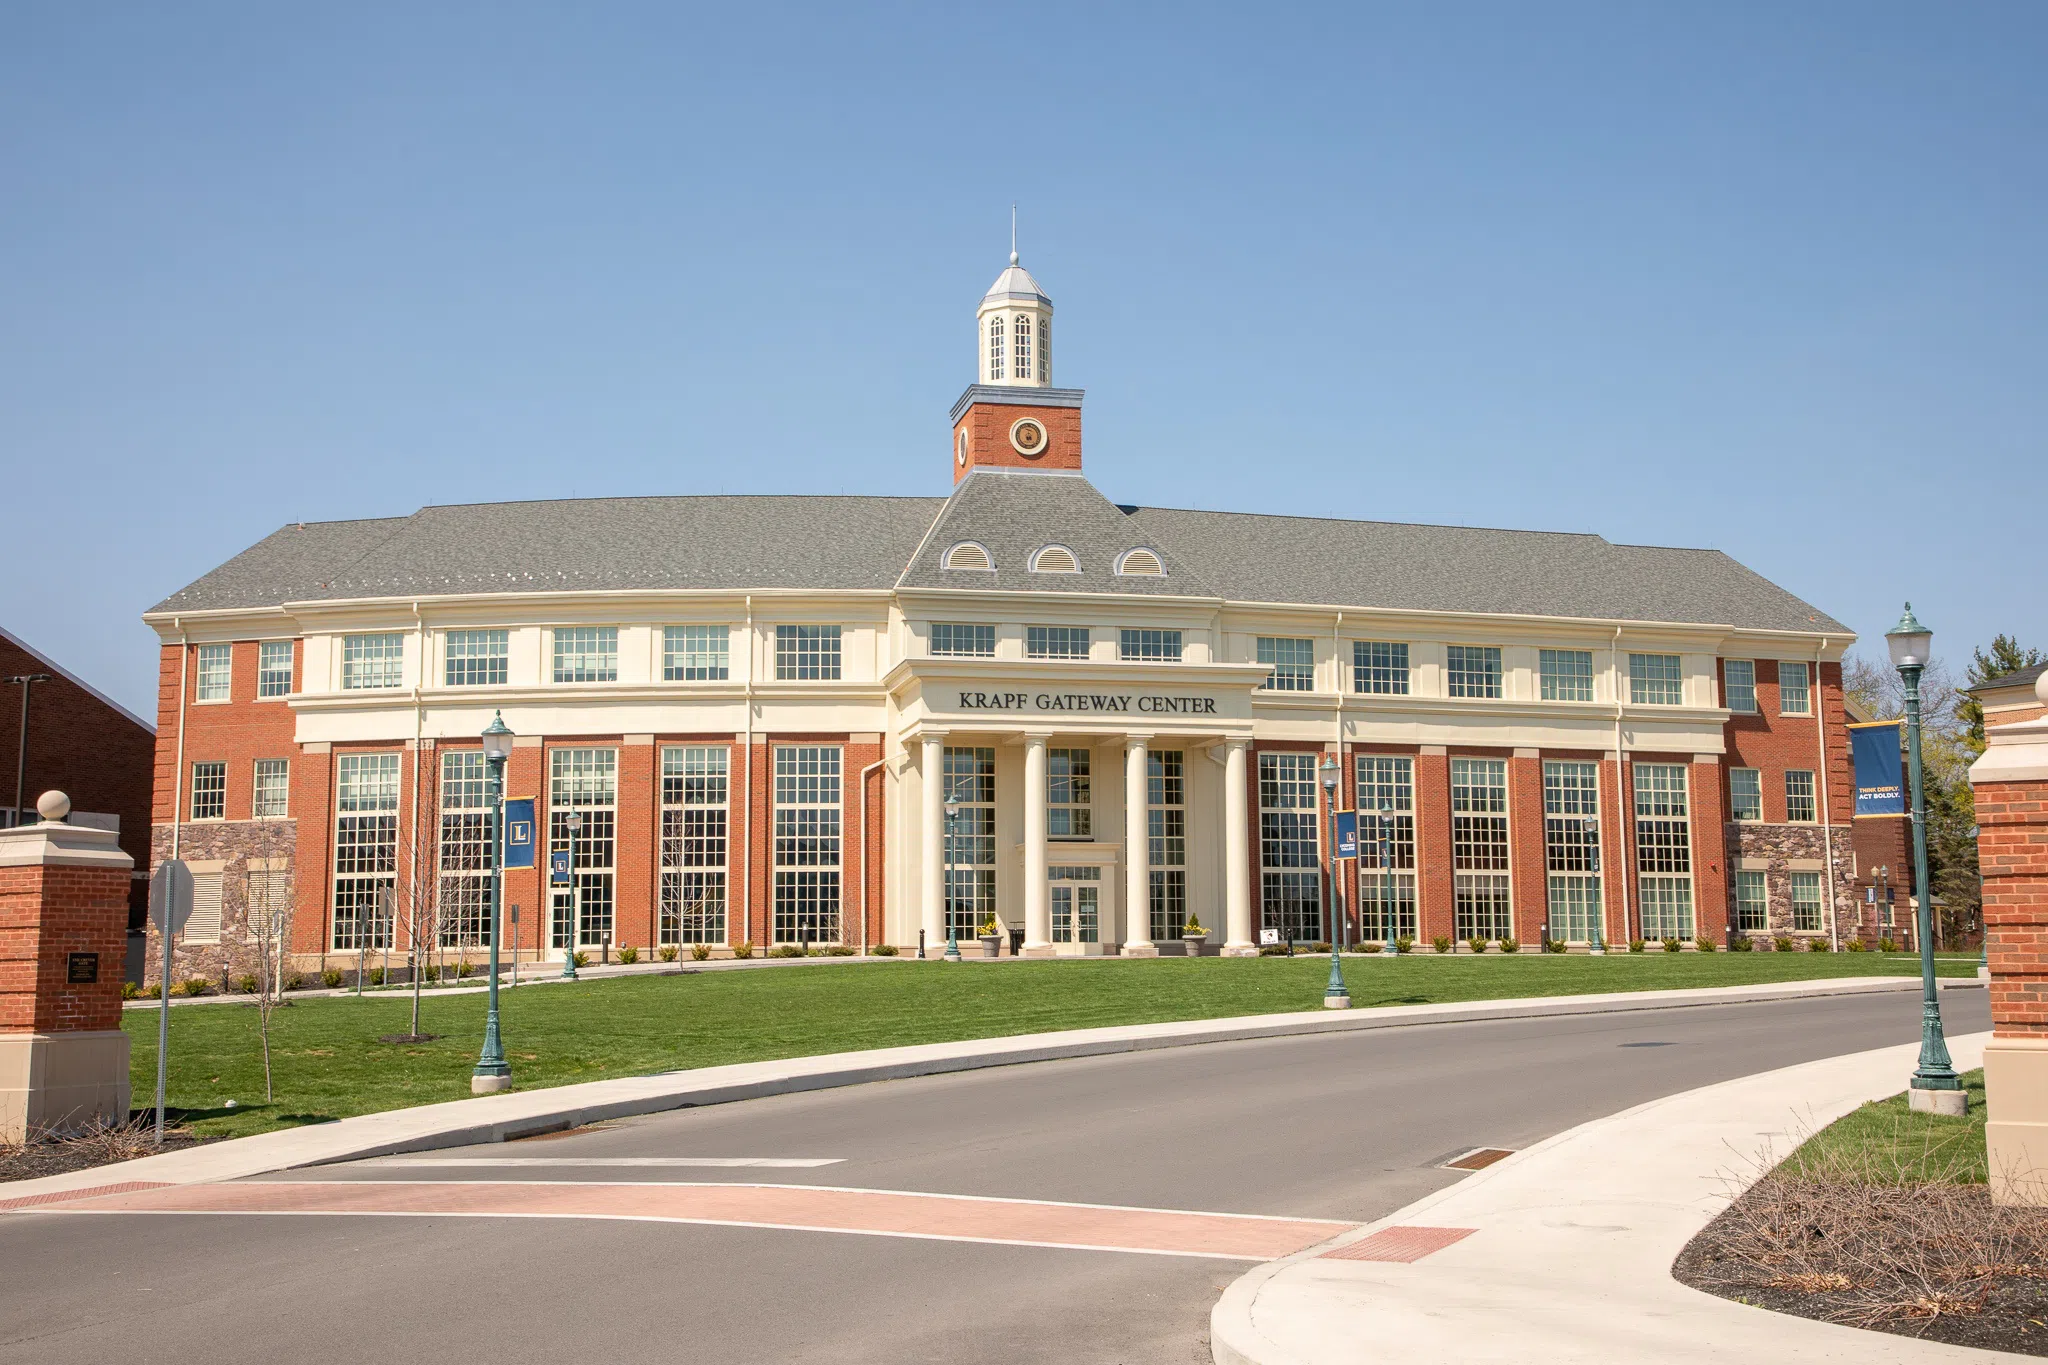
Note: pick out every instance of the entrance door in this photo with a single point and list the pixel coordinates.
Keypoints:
(1076, 904)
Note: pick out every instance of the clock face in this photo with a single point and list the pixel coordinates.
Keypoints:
(1028, 437)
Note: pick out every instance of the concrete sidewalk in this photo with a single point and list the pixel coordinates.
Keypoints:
(1563, 1252)
(514, 1114)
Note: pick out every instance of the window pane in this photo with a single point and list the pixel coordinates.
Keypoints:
(477, 658)
(1149, 645)
(970, 839)
(1667, 906)
(1794, 696)
(1294, 664)
(1752, 904)
(215, 664)
(372, 660)
(1663, 828)
(954, 639)
(1566, 674)
(585, 783)
(694, 784)
(1379, 666)
(1799, 804)
(1739, 677)
(696, 654)
(466, 850)
(1806, 904)
(1386, 783)
(587, 654)
(807, 653)
(1473, 670)
(1746, 793)
(365, 850)
(1056, 642)
(273, 788)
(1291, 886)
(274, 669)
(1655, 680)
(1068, 814)
(1167, 840)
(209, 791)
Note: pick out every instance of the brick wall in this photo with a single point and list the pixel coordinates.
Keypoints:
(987, 426)
(46, 914)
(2012, 849)
(1773, 744)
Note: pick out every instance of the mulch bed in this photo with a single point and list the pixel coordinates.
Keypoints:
(57, 1156)
(1935, 1261)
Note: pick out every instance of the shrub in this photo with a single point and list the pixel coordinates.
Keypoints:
(1553, 945)
(294, 982)
(699, 951)
(628, 955)
(1704, 942)
(1783, 944)
(1819, 945)
(191, 985)
(582, 959)
(1273, 950)
(131, 990)
(1887, 945)
(1636, 945)
(464, 970)
(1511, 944)
(1442, 943)
(841, 950)
(1739, 944)
(1319, 947)
(331, 978)
(786, 950)
(1477, 943)
(742, 950)
(1670, 945)
(883, 950)
(245, 984)
(1404, 944)
(433, 973)
(376, 976)
(1856, 945)
(667, 952)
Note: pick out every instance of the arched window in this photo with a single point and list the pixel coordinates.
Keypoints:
(1055, 559)
(1023, 345)
(968, 555)
(1140, 564)
(995, 347)
(1045, 350)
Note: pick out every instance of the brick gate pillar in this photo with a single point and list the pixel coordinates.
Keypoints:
(2011, 787)
(63, 935)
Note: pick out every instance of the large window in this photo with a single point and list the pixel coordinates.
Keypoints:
(584, 783)
(1069, 813)
(1166, 829)
(1795, 697)
(970, 846)
(372, 661)
(1472, 670)
(476, 658)
(1149, 645)
(1571, 849)
(1738, 678)
(216, 667)
(274, 668)
(696, 653)
(995, 347)
(1290, 853)
(1799, 803)
(956, 639)
(1752, 904)
(1565, 674)
(1806, 909)
(693, 843)
(1746, 793)
(1379, 666)
(1386, 846)
(807, 653)
(365, 850)
(466, 849)
(587, 654)
(209, 791)
(1479, 848)
(1056, 642)
(1293, 661)
(273, 797)
(1663, 850)
(807, 843)
(1023, 333)
(1655, 680)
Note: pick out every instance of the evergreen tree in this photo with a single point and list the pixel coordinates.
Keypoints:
(2005, 657)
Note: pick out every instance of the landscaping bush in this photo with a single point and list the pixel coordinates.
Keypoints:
(1553, 945)
(1477, 943)
(699, 951)
(131, 990)
(1319, 947)
(433, 973)
(786, 950)
(1887, 945)
(191, 985)
(841, 950)
(628, 955)
(1784, 944)
(582, 960)
(1740, 944)
(1274, 950)
(1819, 945)
(1856, 945)
(883, 950)
(331, 978)
(1442, 943)
(1404, 944)
(1670, 945)
(294, 982)
(1511, 944)
(376, 976)
(742, 950)
(1636, 945)
(245, 984)
(1704, 942)
(464, 970)
(668, 952)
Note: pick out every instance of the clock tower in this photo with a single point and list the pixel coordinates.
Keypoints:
(1012, 416)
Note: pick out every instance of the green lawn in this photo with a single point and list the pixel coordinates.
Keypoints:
(1886, 1143)
(329, 1063)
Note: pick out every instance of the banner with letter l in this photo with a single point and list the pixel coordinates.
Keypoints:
(519, 833)
(1874, 750)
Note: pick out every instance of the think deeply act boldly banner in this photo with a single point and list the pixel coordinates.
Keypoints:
(1874, 749)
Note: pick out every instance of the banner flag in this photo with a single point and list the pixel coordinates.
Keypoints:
(519, 833)
(1347, 834)
(1874, 752)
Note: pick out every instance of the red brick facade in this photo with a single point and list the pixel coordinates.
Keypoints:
(986, 429)
(46, 914)
(2012, 850)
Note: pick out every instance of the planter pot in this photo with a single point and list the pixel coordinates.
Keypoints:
(1195, 943)
(991, 944)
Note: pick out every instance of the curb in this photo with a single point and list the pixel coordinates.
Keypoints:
(519, 1114)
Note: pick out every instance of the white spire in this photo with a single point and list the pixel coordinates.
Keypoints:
(1013, 327)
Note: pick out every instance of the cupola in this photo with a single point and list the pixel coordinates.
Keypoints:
(1011, 416)
(1014, 327)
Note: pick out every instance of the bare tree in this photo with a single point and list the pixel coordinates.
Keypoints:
(271, 896)
(418, 898)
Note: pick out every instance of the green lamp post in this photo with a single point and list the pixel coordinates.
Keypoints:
(574, 822)
(952, 928)
(1388, 919)
(1336, 996)
(492, 1072)
(1911, 644)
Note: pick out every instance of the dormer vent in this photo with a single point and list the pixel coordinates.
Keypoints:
(1054, 559)
(968, 555)
(1140, 563)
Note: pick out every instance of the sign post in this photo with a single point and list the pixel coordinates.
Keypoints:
(170, 906)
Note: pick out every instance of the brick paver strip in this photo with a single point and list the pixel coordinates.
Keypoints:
(1405, 1245)
(69, 1196)
(887, 1213)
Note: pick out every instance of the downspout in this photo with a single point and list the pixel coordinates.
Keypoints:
(163, 1007)
(753, 658)
(1622, 841)
(864, 870)
(419, 630)
(1345, 778)
(1827, 824)
(178, 777)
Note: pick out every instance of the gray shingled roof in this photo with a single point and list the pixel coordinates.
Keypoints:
(1400, 566)
(2025, 677)
(732, 542)
(1014, 512)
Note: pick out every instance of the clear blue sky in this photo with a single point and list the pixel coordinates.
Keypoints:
(1765, 278)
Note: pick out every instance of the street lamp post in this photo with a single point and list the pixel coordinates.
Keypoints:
(1589, 828)
(1935, 1085)
(574, 823)
(1335, 995)
(952, 929)
(26, 682)
(1387, 904)
(492, 1072)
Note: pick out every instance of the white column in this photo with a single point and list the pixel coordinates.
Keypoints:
(934, 858)
(1137, 854)
(1237, 858)
(1037, 897)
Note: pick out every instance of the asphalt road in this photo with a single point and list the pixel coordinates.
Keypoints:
(1346, 1127)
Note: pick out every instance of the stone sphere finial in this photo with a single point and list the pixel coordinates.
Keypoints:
(53, 807)
(2041, 688)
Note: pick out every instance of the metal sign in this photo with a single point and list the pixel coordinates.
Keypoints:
(170, 885)
(558, 867)
(82, 969)
(519, 833)
(1269, 938)
(1347, 834)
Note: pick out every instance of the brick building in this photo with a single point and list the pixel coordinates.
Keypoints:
(84, 744)
(759, 708)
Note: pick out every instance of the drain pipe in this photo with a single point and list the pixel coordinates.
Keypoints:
(753, 658)
(1621, 795)
(163, 1008)
(1827, 823)
(416, 919)
(864, 852)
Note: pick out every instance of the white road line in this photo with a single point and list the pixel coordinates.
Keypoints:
(780, 1162)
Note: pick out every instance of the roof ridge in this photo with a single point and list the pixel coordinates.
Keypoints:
(1372, 521)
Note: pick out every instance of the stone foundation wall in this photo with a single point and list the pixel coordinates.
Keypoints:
(1780, 850)
(235, 845)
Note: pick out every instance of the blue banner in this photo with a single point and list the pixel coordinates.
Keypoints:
(558, 867)
(1347, 834)
(1874, 753)
(519, 833)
